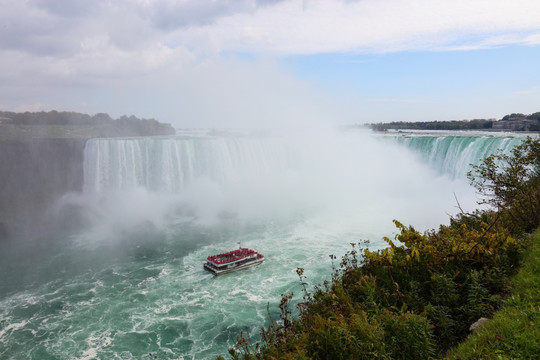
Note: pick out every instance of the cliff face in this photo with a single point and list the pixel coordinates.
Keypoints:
(33, 175)
(41, 158)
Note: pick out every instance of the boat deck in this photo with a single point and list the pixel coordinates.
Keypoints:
(239, 259)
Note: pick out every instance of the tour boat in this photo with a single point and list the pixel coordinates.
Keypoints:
(239, 259)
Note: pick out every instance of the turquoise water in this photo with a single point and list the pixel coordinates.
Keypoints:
(129, 280)
(125, 301)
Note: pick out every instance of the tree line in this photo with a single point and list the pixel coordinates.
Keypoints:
(475, 124)
(102, 123)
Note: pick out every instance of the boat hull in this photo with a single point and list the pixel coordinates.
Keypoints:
(217, 272)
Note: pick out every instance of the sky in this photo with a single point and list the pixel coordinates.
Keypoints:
(259, 63)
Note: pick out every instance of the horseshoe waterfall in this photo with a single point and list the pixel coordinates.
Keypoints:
(127, 279)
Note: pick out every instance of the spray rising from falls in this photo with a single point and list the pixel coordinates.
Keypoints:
(266, 175)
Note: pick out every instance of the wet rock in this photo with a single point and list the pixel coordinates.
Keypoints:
(476, 325)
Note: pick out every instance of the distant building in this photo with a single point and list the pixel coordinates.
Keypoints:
(515, 124)
(5, 120)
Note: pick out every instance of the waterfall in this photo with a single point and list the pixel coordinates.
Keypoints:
(453, 155)
(170, 164)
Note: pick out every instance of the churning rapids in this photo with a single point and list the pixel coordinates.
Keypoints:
(125, 279)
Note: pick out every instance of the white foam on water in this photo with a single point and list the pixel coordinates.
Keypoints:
(89, 354)
(13, 327)
(247, 294)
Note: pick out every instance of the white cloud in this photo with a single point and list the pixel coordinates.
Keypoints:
(299, 27)
(49, 28)
(533, 39)
(173, 53)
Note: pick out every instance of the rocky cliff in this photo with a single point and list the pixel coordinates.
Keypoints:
(33, 175)
(41, 158)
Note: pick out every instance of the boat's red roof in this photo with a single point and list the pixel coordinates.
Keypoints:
(233, 256)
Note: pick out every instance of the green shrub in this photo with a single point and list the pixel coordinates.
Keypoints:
(511, 185)
(407, 336)
(340, 338)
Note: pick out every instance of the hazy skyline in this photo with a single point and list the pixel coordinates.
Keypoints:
(248, 63)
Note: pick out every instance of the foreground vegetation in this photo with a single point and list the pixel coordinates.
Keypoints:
(514, 332)
(417, 298)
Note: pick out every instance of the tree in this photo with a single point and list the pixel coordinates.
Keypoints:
(535, 116)
(514, 116)
(511, 184)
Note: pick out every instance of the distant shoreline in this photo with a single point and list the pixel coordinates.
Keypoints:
(465, 133)
(71, 125)
(510, 122)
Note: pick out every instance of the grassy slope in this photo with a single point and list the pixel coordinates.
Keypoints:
(514, 333)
